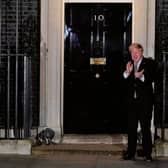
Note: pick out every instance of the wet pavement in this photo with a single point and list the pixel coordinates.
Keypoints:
(77, 160)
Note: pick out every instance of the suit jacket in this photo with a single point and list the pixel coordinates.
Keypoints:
(144, 89)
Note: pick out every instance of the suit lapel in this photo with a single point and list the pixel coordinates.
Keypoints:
(142, 64)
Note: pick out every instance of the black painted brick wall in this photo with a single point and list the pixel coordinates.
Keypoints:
(161, 45)
(28, 44)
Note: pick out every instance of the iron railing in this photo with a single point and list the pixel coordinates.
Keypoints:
(165, 54)
(15, 89)
(18, 33)
(161, 97)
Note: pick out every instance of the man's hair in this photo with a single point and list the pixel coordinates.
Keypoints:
(135, 45)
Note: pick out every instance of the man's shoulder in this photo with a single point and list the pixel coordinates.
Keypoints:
(149, 60)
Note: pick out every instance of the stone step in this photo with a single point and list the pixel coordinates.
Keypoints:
(94, 144)
(115, 149)
(94, 139)
(102, 144)
(161, 148)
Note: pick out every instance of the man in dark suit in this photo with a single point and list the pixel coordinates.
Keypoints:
(139, 78)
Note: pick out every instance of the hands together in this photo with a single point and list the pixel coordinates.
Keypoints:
(129, 69)
(138, 74)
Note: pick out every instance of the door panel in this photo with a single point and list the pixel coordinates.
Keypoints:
(96, 41)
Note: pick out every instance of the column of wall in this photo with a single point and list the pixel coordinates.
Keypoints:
(51, 40)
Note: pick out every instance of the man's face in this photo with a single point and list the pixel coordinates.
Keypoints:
(136, 54)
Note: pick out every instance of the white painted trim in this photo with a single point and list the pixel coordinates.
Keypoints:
(43, 62)
(151, 28)
(139, 23)
(50, 65)
(98, 1)
(151, 41)
(62, 70)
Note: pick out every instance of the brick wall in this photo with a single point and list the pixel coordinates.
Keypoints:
(161, 45)
(26, 42)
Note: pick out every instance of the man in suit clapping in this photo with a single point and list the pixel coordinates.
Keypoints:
(139, 77)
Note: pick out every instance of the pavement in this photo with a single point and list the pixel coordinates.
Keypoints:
(80, 152)
(77, 160)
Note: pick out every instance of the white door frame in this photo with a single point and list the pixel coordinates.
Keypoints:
(52, 52)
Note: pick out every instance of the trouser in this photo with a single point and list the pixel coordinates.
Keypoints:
(139, 112)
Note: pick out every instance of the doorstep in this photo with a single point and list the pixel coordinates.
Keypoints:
(102, 144)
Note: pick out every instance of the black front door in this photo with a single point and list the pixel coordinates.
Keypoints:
(96, 40)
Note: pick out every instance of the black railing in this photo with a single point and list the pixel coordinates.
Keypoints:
(165, 64)
(161, 103)
(19, 72)
(15, 90)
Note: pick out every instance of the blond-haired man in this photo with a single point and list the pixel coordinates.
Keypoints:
(139, 77)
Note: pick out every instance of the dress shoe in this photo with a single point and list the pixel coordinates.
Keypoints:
(140, 153)
(148, 158)
(128, 157)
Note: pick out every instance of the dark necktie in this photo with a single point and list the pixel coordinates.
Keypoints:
(135, 67)
(135, 70)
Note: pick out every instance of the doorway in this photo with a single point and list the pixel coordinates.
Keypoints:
(96, 36)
